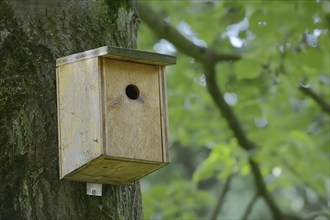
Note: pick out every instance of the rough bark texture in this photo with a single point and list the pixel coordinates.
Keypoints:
(32, 35)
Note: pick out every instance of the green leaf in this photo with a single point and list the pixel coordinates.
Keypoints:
(209, 166)
(234, 12)
(247, 69)
(311, 60)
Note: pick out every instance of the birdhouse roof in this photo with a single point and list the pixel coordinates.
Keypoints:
(121, 54)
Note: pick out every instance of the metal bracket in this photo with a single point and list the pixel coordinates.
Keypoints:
(94, 189)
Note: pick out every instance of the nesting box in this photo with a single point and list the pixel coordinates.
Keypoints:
(112, 114)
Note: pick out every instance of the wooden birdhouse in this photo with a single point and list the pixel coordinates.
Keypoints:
(112, 114)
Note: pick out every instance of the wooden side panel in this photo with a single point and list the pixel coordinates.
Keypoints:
(133, 126)
(58, 119)
(79, 114)
(163, 113)
(103, 98)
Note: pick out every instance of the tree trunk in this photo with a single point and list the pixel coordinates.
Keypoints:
(32, 35)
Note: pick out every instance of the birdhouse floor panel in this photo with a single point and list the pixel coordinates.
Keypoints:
(111, 170)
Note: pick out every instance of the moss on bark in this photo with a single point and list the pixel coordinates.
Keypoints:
(30, 40)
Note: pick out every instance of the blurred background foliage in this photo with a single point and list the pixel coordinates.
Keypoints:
(285, 49)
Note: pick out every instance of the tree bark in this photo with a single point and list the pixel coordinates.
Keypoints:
(32, 35)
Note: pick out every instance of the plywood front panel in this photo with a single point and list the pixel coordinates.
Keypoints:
(79, 114)
(133, 124)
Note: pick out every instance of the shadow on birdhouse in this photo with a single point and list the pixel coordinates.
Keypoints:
(112, 115)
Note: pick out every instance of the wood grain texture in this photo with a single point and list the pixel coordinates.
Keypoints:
(79, 114)
(133, 126)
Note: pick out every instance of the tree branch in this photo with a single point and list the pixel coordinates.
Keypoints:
(240, 136)
(221, 200)
(250, 205)
(164, 30)
(225, 109)
(208, 58)
(317, 98)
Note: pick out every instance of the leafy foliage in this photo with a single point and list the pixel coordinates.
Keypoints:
(284, 45)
